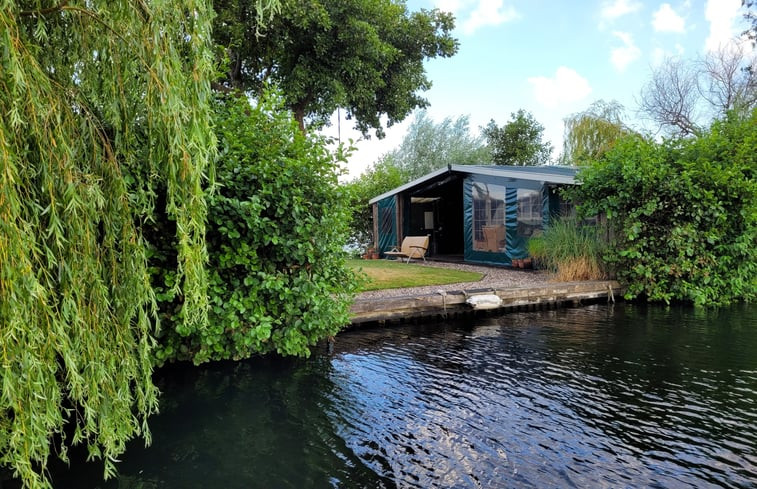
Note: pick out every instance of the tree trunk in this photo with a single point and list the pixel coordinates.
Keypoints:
(298, 110)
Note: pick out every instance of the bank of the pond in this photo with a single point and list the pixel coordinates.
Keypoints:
(517, 289)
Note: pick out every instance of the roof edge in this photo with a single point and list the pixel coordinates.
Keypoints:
(396, 190)
(565, 176)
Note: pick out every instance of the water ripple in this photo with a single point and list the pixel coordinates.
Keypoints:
(601, 397)
(571, 400)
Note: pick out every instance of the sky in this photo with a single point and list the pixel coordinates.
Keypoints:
(553, 58)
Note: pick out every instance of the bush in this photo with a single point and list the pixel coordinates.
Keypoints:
(683, 213)
(278, 280)
(572, 250)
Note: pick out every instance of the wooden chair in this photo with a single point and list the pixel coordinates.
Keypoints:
(412, 247)
(494, 238)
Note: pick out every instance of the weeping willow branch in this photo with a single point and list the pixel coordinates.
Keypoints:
(103, 108)
(44, 11)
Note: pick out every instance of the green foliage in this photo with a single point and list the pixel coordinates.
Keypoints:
(593, 132)
(537, 248)
(518, 142)
(103, 104)
(571, 249)
(377, 179)
(429, 146)
(683, 213)
(365, 56)
(277, 222)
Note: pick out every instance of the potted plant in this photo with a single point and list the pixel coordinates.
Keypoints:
(538, 252)
(370, 253)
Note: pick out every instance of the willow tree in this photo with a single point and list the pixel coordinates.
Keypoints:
(104, 112)
(593, 132)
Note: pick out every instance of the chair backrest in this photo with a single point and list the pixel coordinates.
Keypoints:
(410, 241)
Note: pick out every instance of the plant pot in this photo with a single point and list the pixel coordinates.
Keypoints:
(517, 263)
(527, 263)
(374, 255)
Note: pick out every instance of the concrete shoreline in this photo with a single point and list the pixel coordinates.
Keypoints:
(450, 303)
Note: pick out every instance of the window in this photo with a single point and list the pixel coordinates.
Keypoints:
(488, 217)
(529, 212)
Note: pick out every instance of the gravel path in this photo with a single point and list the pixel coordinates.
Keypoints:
(493, 277)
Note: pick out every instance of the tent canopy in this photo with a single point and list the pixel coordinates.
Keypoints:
(484, 214)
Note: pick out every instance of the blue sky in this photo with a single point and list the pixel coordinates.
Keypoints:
(554, 58)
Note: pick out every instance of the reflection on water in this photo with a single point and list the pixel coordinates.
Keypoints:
(629, 396)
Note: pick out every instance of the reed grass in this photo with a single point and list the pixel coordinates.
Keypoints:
(572, 250)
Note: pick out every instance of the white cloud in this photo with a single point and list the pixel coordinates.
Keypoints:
(722, 16)
(659, 55)
(628, 53)
(489, 12)
(667, 20)
(565, 87)
(618, 8)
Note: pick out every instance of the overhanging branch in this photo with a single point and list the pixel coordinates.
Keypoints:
(44, 11)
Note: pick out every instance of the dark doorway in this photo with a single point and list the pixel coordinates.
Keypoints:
(437, 210)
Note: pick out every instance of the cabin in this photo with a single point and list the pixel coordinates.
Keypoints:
(472, 213)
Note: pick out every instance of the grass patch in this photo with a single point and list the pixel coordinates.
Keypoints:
(388, 274)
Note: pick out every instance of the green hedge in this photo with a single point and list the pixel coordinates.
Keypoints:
(683, 213)
(278, 219)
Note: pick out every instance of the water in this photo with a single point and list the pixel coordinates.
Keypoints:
(623, 396)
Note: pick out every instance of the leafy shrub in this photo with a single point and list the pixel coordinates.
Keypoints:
(278, 281)
(683, 213)
(572, 250)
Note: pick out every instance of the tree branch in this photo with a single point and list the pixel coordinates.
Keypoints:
(44, 11)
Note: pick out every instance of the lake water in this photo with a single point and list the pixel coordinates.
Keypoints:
(601, 396)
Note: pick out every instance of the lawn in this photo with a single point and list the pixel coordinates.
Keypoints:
(389, 274)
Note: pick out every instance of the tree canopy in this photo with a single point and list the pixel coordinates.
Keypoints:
(105, 111)
(518, 142)
(593, 132)
(428, 146)
(365, 56)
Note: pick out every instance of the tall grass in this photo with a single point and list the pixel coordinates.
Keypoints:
(572, 250)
